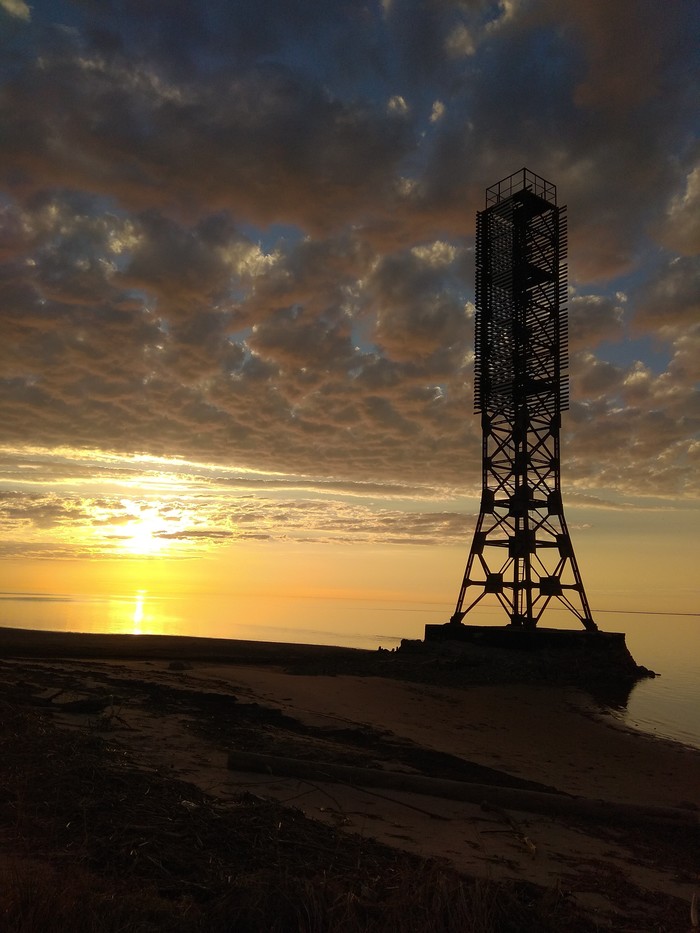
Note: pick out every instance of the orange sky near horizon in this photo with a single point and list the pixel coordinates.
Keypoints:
(634, 564)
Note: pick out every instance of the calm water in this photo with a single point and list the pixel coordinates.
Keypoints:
(668, 706)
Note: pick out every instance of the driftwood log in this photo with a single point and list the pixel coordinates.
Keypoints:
(551, 804)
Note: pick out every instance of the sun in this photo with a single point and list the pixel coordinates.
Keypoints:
(142, 538)
(145, 531)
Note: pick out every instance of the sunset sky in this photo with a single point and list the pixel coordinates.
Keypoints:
(236, 279)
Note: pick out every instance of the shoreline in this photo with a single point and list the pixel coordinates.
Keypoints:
(601, 702)
(20, 642)
(301, 659)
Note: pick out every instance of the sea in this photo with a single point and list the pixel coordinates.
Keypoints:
(667, 706)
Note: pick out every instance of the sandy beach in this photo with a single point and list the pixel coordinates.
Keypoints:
(180, 707)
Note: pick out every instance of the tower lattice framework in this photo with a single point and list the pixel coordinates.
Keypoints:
(521, 550)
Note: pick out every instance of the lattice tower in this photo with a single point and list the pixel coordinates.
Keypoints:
(521, 550)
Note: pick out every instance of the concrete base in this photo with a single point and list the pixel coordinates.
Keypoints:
(507, 636)
(597, 662)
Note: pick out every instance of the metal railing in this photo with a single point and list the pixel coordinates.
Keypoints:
(522, 180)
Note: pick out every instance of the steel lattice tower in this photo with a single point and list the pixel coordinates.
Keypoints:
(521, 550)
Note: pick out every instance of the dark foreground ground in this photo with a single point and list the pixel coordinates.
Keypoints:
(94, 837)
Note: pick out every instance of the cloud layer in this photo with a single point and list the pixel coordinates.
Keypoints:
(243, 236)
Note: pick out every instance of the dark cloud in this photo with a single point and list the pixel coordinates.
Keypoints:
(594, 318)
(417, 308)
(672, 298)
(264, 141)
(680, 229)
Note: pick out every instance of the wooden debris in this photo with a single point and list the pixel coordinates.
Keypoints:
(506, 797)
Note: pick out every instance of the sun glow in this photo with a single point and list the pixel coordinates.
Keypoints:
(143, 536)
(146, 529)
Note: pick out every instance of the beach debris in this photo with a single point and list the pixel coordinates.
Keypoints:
(83, 703)
(30, 697)
(493, 795)
(88, 704)
(403, 803)
(111, 719)
(516, 828)
(338, 816)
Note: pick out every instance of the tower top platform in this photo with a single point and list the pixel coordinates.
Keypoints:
(522, 180)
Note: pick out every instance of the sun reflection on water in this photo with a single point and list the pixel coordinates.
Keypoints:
(137, 614)
(137, 618)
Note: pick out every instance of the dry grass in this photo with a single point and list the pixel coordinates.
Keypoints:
(39, 898)
(92, 843)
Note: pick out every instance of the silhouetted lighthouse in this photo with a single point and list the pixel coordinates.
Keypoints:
(521, 550)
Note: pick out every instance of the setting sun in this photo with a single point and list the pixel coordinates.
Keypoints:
(146, 528)
(142, 537)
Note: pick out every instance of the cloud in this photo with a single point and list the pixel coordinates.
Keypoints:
(16, 8)
(417, 314)
(594, 318)
(275, 147)
(460, 42)
(71, 525)
(218, 248)
(635, 433)
(681, 229)
(351, 364)
(437, 112)
(625, 54)
(670, 299)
